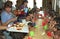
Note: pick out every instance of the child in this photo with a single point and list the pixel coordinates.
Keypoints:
(56, 31)
(33, 22)
(24, 8)
(31, 26)
(54, 26)
(41, 12)
(28, 18)
(31, 15)
(7, 18)
(57, 28)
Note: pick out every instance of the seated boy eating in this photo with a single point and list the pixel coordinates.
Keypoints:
(7, 18)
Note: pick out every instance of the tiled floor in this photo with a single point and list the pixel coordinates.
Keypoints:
(39, 32)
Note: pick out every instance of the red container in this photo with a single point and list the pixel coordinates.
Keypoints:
(22, 12)
(43, 23)
(29, 37)
(49, 34)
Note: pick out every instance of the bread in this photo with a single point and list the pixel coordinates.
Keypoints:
(21, 24)
(18, 28)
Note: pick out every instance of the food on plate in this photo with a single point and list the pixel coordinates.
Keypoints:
(18, 26)
(21, 24)
(14, 24)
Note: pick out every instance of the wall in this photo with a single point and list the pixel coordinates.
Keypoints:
(1, 3)
(55, 2)
(44, 3)
(59, 6)
(47, 4)
(19, 2)
(55, 5)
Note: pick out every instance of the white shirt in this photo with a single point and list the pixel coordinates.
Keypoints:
(41, 12)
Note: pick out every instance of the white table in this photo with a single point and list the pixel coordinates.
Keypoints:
(25, 28)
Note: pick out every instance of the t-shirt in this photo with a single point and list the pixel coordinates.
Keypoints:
(5, 17)
(42, 13)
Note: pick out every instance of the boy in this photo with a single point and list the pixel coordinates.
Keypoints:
(7, 18)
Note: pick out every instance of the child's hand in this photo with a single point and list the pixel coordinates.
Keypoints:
(14, 19)
(52, 33)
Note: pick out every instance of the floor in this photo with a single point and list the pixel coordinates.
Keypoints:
(39, 32)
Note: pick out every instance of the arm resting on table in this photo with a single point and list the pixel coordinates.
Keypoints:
(3, 27)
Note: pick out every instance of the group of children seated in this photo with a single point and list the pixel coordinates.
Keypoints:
(53, 22)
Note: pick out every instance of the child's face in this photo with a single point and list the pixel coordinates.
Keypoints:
(38, 9)
(28, 18)
(19, 12)
(25, 3)
(54, 29)
(8, 9)
(31, 15)
(55, 22)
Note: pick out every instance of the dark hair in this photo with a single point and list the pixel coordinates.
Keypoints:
(57, 19)
(27, 15)
(24, 2)
(8, 4)
(57, 26)
(30, 24)
(41, 8)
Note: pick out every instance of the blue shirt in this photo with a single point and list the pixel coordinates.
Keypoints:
(25, 10)
(6, 16)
